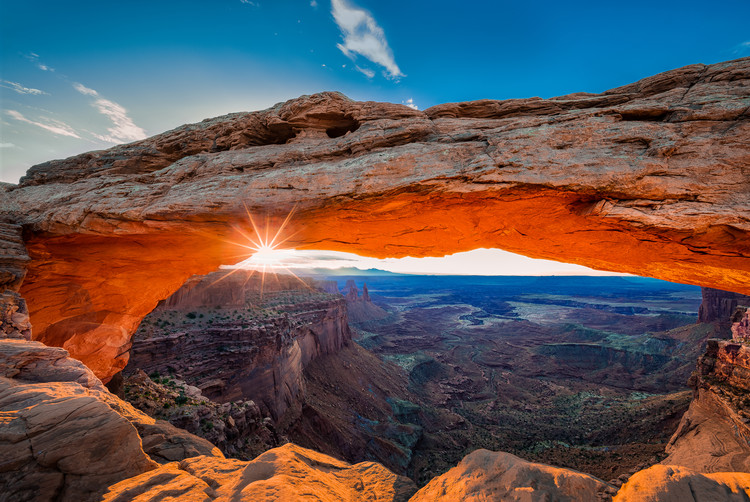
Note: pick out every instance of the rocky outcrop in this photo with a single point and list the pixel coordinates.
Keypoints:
(487, 475)
(713, 435)
(719, 306)
(255, 347)
(361, 308)
(14, 316)
(648, 178)
(282, 474)
(238, 429)
(740, 327)
(667, 483)
(65, 437)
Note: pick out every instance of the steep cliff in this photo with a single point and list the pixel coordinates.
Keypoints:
(648, 178)
(237, 339)
(718, 307)
(714, 435)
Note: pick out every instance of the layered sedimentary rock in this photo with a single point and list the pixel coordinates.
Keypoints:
(65, 437)
(740, 327)
(648, 178)
(359, 307)
(282, 474)
(237, 339)
(719, 306)
(713, 435)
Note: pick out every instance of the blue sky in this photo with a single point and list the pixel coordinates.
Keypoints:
(79, 76)
(85, 75)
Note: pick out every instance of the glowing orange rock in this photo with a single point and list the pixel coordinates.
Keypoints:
(649, 178)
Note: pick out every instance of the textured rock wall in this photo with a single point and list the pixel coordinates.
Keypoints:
(233, 357)
(65, 437)
(713, 435)
(718, 305)
(649, 178)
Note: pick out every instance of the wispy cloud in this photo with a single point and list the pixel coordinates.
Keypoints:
(365, 71)
(313, 4)
(51, 125)
(34, 58)
(123, 129)
(362, 35)
(7, 145)
(15, 86)
(248, 2)
(743, 48)
(410, 103)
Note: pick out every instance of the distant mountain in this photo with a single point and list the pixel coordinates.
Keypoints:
(346, 271)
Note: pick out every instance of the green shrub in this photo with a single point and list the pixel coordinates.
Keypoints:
(181, 399)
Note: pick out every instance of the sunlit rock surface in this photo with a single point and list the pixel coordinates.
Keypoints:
(666, 483)
(486, 475)
(649, 178)
(63, 436)
(283, 474)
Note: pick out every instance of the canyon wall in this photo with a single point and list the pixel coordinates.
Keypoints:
(714, 435)
(237, 340)
(649, 178)
(718, 306)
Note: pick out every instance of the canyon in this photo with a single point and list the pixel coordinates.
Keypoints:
(645, 179)
(649, 178)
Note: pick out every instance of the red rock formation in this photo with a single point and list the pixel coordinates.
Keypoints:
(283, 474)
(361, 308)
(648, 178)
(718, 306)
(666, 483)
(713, 435)
(487, 475)
(741, 325)
(65, 437)
(253, 347)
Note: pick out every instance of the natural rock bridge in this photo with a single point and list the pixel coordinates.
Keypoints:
(651, 178)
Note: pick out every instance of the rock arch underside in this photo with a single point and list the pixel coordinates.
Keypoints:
(652, 178)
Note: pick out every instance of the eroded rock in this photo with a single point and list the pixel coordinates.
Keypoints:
(282, 474)
(648, 178)
(667, 483)
(63, 436)
(487, 475)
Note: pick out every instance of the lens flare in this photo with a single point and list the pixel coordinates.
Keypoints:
(266, 253)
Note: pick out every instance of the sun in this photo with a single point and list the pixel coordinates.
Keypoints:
(265, 249)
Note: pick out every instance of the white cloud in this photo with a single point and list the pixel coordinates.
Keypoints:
(363, 36)
(314, 4)
(15, 86)
(365, 71)
(410, 103)
(248, 2)
(123, 129)
(7, 145)
(742, 48)
(51, 125)
(34, 58)
(85, 90)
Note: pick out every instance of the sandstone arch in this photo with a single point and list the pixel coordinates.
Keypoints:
(650, 178)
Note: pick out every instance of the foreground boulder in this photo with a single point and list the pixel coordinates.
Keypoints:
(666, 483)
(485, 475)
(63, 436)
(287, 473)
